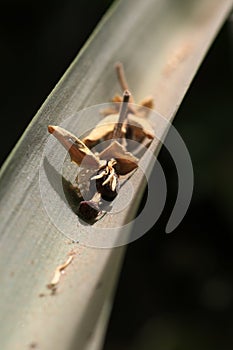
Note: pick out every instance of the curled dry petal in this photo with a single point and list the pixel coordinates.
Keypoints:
(114, 183)
(99, 176)
(140, 128)
(107, 183)
(108, 175)
(147, 102)
(117, 98)
(137, 127)
(109, 179)
(78, 151)
(103, 130)
(126, 162)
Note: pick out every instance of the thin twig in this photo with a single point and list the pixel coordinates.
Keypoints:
(121, 76)
(122, 79)
(122, 115)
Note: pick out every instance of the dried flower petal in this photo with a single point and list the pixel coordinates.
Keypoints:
(140, 128)
(103, 130)
(114, 183)
(126, 162)
(147, 102)
(117, 98)
(99, 176)
(79, 152)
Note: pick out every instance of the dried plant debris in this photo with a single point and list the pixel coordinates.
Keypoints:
(58, 273)
(139, 109)
(98, 179)
(135, 125)
(106, 168)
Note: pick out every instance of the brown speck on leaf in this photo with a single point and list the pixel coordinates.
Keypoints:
(176, 58)
(70, 242)
(53, 290)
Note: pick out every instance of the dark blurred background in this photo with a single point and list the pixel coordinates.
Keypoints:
(175, 291)
(38, 42)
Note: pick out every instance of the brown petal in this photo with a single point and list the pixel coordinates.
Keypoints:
(126, 162)
(107, 111)
(103, 130)
(117, 98)
(147, 102)
(78, 151)
(140, 128)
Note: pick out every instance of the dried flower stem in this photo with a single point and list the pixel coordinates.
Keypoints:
(121, 76)
(122, 79)
(122, 115)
